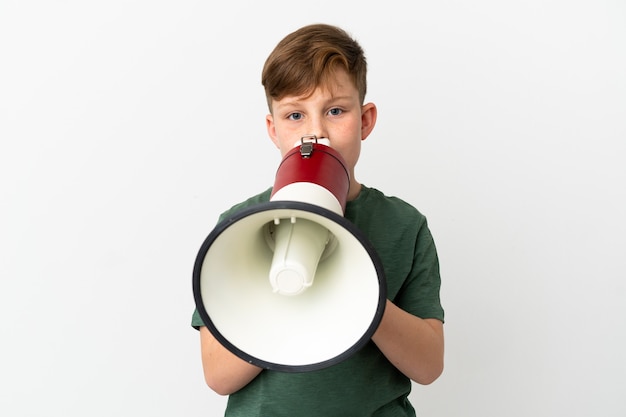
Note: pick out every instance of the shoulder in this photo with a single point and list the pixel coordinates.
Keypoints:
(373, 205)
(256, 199)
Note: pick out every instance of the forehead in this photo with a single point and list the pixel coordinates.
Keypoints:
(340, 85)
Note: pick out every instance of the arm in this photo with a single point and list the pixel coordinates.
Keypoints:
(413, 345)
(224, 372)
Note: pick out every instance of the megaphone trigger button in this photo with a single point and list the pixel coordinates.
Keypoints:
(293, 219)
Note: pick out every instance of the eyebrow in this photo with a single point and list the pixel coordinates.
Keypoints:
(296, 101)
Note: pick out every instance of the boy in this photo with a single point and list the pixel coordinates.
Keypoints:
(315, 84)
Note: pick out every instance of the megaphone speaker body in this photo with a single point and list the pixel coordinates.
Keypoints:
(290, 284)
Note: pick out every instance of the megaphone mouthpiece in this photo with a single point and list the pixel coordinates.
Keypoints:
(318, 177)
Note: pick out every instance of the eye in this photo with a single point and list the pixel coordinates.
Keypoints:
(335, 111)
(294, 116)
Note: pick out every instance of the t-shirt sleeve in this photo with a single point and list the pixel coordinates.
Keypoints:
(420, 294)
(196, 320)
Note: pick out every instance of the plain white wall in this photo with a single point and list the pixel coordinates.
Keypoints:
(127, 127)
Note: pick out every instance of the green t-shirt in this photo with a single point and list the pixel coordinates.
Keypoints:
(366, 384)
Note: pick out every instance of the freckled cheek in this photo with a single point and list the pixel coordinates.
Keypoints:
(350, 156)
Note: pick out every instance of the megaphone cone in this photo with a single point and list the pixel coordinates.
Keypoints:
(290, 284)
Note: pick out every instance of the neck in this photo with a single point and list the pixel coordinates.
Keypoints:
(355, 189)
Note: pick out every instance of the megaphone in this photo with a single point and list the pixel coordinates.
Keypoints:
(291, 285)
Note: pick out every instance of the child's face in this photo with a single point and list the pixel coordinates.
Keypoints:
(334, 113)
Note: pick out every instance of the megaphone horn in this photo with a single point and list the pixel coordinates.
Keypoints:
(290, 284)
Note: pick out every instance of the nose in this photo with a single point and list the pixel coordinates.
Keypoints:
(316, 127)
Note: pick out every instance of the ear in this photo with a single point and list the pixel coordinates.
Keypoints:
(368, 119)
(271, 129)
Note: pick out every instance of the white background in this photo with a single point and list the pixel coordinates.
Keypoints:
(126, 128)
